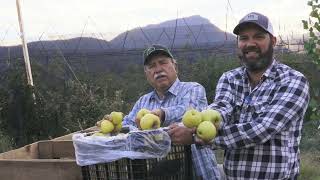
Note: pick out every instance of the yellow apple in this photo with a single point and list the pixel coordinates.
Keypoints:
(105, 117)
(213, 116)
(116, 117)
(206, 131)
(117, 127)
(106, 126)
(191, 118)
(149, 121)
(142, 112)
(98, 134)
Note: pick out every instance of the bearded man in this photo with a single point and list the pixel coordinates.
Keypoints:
(263, 104)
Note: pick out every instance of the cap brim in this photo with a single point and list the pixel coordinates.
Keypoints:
(156, 52)
(237, 29)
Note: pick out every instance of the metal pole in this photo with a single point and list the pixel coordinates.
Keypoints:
(24, 46)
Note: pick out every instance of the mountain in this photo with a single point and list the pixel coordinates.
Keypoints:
(194, 31)
(190, 38)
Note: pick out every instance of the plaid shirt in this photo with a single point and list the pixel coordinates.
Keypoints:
(180, 97)
(261, 131)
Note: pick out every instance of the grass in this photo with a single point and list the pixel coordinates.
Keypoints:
(6, 143)
(310, 166)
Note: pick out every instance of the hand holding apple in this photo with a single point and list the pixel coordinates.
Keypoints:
(139, 115)
(114, 123)
(180, 134)
(160, 113)
(149, 121)
(105, 117)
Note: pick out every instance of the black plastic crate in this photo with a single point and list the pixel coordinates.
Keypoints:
(177, 165)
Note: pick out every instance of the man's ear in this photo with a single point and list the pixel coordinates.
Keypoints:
(175, 67)
(274, 41)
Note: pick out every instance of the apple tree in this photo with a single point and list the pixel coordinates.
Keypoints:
(312, 47)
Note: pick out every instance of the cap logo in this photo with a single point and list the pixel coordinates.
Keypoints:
(147, 52)
(150, 50)
(251, 17)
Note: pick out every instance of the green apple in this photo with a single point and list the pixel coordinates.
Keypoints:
(213, 116)
(142, 112)
(106, 126)
(116, 117)
(191, 118)
(206, 131)
(149, 121)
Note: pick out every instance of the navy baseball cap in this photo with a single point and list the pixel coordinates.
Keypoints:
(153, 50)
(257, 19)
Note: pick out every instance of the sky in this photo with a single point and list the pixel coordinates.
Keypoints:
(58, 19)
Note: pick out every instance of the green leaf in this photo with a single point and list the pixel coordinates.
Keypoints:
(314, 117)
(314, 13)
(317, 26)
(305, 24)
(310, 3)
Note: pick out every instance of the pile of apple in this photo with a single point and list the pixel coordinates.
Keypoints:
(111, 123)
(148, 120)
(206, 122)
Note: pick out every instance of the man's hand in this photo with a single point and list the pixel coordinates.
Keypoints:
(160, 113)
(199, 141)
(138, 123)
(181, 135)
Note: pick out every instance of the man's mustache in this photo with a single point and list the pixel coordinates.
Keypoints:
(242, 52)
(251, 49)
(159, 75)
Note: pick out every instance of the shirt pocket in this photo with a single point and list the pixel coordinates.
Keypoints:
(258, 110)
(236, 112)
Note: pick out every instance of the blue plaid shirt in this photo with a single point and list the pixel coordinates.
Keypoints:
(261, 131)
(180, 97)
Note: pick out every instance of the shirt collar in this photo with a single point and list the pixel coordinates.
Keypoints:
(270, 72)
(173, 90)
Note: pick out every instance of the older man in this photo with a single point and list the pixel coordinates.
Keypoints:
(169, 100)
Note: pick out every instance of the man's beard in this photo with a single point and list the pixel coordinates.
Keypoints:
(261, 63)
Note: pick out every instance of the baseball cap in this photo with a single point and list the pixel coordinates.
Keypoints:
(257, 19)
(155, 49)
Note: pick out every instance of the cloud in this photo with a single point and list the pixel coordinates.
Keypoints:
(111, 17)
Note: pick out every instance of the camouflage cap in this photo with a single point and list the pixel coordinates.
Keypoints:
(153, 50)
